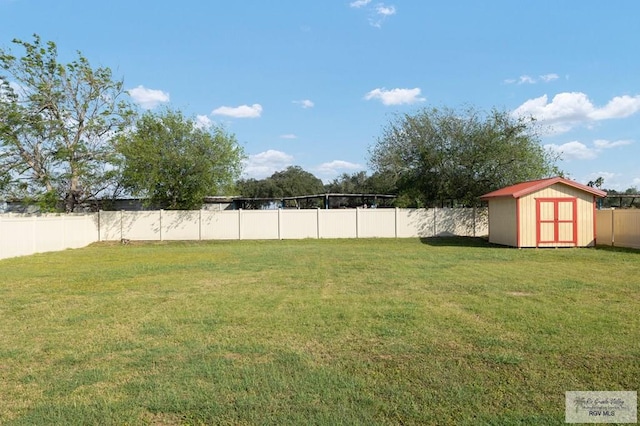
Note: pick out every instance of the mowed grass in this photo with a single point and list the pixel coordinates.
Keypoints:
(378, 331)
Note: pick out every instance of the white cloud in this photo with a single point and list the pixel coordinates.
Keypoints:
(377, 13)
(380, 13)
(578, 151)
(395, 96)
(264, 164)
(527, 79)
(573, 151)
(305, 103)
(359, 3)
(549, 77)
(148, 98)
(288, 136)
(333, 169)
(203, 122)
(383, 10)
(569, 109)
(337, 166)
(242, 111)
(604, 144)
(618, 107)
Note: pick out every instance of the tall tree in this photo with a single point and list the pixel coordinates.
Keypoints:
(57, 123)
(291, 182)
(439, 154)
(294, 181)
(174, 164)
(356, 183)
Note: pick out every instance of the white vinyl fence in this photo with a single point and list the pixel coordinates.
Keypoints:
(27, 234)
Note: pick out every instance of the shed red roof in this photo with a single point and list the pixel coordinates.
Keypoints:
(521, 189)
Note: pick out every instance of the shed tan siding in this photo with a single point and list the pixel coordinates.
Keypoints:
(584, 215)
(502, 221)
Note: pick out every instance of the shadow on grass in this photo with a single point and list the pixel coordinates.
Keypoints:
(458, 242)
(618, 249)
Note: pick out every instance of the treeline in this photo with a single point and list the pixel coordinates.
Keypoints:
(69, 134)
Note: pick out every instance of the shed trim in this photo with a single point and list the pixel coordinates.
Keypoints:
(556, 221)
(525, 188)
(517, 222)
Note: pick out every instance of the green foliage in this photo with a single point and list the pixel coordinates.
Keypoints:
(356, 183)
(439, 154)
(294, 181)
(57, 125)
(360, 183)
(597, 183)
(174, 164)
(291, 182)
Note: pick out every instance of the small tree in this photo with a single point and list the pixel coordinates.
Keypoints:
(174, 164)
(57, 123)
(440, 154)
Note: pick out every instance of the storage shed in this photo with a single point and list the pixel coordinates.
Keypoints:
(553, 212)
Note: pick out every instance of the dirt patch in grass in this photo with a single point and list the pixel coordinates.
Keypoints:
(519, 293)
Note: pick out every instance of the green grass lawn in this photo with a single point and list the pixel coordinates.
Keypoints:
(378, 331)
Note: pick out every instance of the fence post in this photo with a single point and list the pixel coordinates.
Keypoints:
(613, 231)
(474, 220)
(435, 221)
(279, 223)
(395, 225)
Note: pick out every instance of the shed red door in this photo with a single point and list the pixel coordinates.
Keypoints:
(556, 222)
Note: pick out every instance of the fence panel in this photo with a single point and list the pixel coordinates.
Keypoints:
(141, 225)
(414, 223)
(110, 225)
(22, 235)
(462, 222)
(604, 227)
(338, 223)
(180, 225)
(19, 230)
(376, 223)
(618, 227)
(220, 225)
(259, 224)
(295, 224)
(626, 228)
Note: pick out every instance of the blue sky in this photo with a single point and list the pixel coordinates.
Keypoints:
(313, 83)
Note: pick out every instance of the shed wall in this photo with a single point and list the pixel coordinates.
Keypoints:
(584, 215)
(502, 221)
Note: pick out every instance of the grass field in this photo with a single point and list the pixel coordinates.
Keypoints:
(384, 331)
